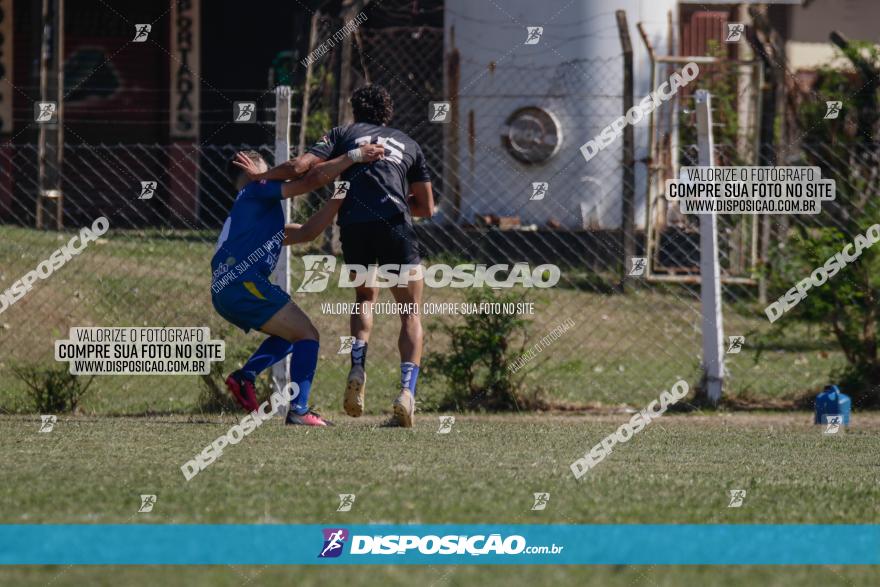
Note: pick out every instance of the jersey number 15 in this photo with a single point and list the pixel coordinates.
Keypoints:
(393, 149)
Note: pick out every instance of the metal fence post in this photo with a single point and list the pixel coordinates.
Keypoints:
(281, 275)
(710, 271)
(629, 171)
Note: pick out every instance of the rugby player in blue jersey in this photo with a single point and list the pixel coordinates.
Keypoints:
(246, 254)
(375, 222)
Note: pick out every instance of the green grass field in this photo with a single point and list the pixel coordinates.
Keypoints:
(678, 470)
(132, 434)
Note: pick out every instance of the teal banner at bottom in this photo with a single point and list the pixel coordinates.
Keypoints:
(471, 544)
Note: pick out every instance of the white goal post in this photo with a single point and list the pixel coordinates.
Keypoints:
(281, 275)
(710, 270)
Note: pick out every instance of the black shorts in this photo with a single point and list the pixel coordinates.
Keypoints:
(381, 242)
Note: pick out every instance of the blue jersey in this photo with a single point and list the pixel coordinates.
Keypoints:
(252, 236)
(377, 190)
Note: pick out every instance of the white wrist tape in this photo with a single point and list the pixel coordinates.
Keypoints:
(356, 155)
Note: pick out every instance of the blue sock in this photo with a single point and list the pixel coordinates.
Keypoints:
(359, 353)
(409, 374)
(302, 370)
(270, 352)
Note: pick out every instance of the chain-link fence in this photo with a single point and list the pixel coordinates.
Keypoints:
(754, 250)
(673, 238)
(152, 268)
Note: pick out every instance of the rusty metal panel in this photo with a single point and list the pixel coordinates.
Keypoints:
(700, 28)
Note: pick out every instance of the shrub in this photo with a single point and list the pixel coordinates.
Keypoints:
(476, 368)
(54, 390)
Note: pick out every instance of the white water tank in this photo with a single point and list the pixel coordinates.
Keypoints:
(551, 94)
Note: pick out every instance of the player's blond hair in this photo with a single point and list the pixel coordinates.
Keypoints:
(233, 171)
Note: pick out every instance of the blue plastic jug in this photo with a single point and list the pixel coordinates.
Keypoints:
(832, 402)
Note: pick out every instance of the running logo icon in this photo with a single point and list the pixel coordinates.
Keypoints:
(346, 500)
(318, 269)
(735, 32)
(47, 423)
(735, 344)
(147, 503)
(541, 500)
(345, 345)
(446, 423)
(141, 32)
(340, 190)
(45, 111)
(737, 497)
(533, 35)
(148, 190)
(832, 109)
(334, 542)
(539, 190)
(245, 112)
(639, 264)
(439, 112)
(832, 424)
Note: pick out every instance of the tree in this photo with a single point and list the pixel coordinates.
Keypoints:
(845, 149)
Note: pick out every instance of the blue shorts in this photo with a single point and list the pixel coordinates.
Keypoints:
(249, 303)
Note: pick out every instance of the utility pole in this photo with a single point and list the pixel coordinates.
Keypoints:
(629, 173)
(51, 136)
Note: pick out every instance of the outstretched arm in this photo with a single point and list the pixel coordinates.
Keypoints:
(315, 225)
(293, 169)
(323, 173)
(296, 168)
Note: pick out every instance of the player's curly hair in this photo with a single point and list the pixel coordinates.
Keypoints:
(372, 103)
(233, 171)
